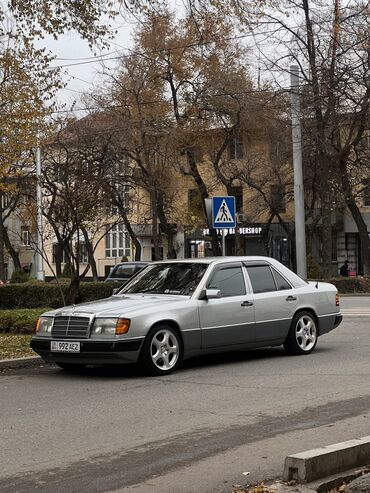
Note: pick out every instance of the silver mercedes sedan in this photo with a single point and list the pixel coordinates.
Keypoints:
(172, 310)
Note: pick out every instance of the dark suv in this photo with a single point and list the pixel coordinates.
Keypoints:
(124, 271)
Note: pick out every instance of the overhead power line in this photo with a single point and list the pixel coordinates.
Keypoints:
(161, 101)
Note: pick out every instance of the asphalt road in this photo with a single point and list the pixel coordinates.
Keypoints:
(218, 421)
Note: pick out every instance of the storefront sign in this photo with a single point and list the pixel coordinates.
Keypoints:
(242, 230)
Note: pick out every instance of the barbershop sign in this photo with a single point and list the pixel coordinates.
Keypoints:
(250, 230)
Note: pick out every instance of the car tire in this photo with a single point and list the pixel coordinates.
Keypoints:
(303, 334)
(70, 367)
(161, 353)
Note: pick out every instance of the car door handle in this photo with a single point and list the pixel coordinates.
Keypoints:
(291, 298)
(247, 303)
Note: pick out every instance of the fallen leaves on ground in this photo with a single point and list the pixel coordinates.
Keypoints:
(259, 488)
(15, 346)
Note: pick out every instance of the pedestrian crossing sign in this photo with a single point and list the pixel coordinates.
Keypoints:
(223, 212)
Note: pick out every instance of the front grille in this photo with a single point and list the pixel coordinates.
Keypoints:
(71, 327)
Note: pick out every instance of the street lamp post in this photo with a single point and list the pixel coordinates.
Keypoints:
(40, 274)
(300, 232)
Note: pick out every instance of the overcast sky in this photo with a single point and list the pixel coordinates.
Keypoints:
(81, 65)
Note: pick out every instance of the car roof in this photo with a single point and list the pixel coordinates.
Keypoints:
(210, 260)
(131, 263)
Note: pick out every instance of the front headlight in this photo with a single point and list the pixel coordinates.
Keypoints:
(44, 325)
(108, 327)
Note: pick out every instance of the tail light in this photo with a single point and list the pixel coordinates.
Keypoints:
(337, 299)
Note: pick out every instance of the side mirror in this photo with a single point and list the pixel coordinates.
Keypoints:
(210, 294)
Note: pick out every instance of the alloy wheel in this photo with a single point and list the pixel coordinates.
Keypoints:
(164, 349)
(306, 333)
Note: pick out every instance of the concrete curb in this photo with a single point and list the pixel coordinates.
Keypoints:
(20, 362)
(344, 295)
(319, 463)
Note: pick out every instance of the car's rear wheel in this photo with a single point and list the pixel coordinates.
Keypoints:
(162, 351)
(303, 334)
(70, 367)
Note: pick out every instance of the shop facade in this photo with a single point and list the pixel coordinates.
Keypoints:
(256, 238)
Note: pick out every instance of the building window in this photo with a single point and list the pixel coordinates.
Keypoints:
(26, 237)
(64, 258)
(4, 201)
(82, 253)
(117, 241)
(237, 192)
(366, 192)
(236, 149)
(277, 198)
(122, 191)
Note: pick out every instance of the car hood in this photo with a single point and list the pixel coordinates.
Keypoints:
(117, 305)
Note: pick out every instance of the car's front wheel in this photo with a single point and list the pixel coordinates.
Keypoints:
(303, 334)
(162, 351)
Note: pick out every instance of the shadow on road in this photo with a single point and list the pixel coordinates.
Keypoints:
(200, 363)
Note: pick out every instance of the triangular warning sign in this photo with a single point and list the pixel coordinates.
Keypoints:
(224, 214)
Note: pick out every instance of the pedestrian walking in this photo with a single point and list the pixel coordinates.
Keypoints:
(344, 270)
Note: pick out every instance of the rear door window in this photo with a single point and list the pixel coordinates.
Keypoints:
(261, 278)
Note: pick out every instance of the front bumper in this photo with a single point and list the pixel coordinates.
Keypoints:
(91, 352)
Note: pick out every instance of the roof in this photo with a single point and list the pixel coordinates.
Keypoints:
(210, 260)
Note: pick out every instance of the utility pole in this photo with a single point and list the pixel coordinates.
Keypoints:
(300, 232)
(40, 274)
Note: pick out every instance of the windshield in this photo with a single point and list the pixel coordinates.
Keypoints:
(174, 278)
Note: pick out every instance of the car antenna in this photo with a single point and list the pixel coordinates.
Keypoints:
(317, 285)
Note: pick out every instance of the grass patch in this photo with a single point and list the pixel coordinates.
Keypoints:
(15, 346)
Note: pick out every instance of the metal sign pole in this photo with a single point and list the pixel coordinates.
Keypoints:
(224, 242)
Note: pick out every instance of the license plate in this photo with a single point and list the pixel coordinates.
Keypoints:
(65, 346)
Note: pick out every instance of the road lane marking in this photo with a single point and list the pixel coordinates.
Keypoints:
(350, 312)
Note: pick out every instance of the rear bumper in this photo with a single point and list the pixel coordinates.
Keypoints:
(329, 322)
(338, 320)
(92, 352)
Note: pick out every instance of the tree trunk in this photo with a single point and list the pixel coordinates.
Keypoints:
(72, 290)
(167, 227)
(326, 240)
(15, 256)
(216, 248)
(130, 231)
(58, 254)
(90, 255)
(325, 197)
(155, 236)
(2, 257)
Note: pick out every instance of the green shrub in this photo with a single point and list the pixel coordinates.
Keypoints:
(349, 285)
(35, 294)
(20, 321)
(19, 276)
